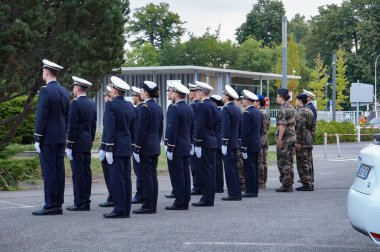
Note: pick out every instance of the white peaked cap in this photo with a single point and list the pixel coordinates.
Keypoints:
(249, 95)
(231, 92)
(203, 85)
(81, 81)
(308, 93)
(119, 84)
(52, 65)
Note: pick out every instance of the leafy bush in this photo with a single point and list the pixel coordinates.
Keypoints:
(330, 128)
(12, 171)
(12, 149)
(367, 133)
(24, 134)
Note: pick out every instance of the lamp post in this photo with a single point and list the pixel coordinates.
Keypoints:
(375, 85)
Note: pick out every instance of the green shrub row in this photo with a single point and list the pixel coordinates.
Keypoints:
(333, 128)
(13, 171)
(24, 134)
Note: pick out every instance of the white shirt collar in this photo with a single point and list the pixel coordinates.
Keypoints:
(179, 101)
(81, 95)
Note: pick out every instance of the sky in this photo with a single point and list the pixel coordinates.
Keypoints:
(230, 14)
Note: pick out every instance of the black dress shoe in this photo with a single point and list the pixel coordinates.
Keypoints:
(228, 198)
(202, 204)
(177, 207)
(50, 211)
(194, 192)
(113, 215)
(83, 207)
(143, 211)
(170, 196)
(106, 204)
(137, 201)
(249, 195)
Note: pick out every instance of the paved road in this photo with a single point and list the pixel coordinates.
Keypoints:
(299, 221)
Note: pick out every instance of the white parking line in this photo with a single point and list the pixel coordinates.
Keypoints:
(343, 160)
(270, 244)
(15, 205)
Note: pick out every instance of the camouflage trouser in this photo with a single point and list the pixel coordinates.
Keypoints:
(285, 158)
(304, 159)
(240, 166)
(262, 160)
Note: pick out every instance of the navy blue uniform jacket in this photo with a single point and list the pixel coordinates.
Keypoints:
(150, 128)
(119, 118)
(53, 109)
(82, 124)
(251, 130)
(312, 107)
(206, 124)
(179, 129)
(231, 123)
(219, 128)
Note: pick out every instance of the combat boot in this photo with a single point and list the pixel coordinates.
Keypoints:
(285, 189)
(305, 188)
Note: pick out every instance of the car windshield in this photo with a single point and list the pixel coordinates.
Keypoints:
(375, 121)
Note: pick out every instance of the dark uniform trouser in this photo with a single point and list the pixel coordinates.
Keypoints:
(136, 168)
(263, 165)
(251, 173)
(195, 164)
(285, 163)
(106, 173)
(179, 171)
(219, 171)
(82, 177)
(53, 173)
(148, 174)
(121, 184)
(232, 174)
(304, 165)
(240, 167)
(207, 176)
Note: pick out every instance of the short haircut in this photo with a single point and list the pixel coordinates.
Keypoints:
(52, 71)
(262, 103)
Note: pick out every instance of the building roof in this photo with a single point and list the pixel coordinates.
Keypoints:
(205, 70)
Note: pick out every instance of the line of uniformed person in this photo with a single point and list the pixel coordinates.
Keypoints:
(197, 136)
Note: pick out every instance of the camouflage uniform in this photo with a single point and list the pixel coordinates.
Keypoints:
(286, 116)
(262, 158)
(240, 164)
(305, 126)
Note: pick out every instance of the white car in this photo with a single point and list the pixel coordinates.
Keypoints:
(363, 200)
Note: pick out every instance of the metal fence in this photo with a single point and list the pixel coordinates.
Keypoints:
(341, 116)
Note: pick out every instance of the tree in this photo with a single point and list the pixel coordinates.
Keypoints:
(252, 55)
(293, 65)
(86, 37)
(263, 23)
(298, 28)
(155, 24)
(341, 80)
(208, 50)
(318, 81)
(142, 55)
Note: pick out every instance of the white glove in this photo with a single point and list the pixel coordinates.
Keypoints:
(37, 147)
(102, 155)
(192, 150)
(198, 152)
(137, 157)
(224, 150)
(109, 157)
(166, 148)
(169, 155)
(245, 155)
(69, 153)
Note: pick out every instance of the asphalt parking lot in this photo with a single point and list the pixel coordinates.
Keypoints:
(298, 221)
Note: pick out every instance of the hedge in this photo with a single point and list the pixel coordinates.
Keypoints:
(12, 171)
(24, 134)
(333, 128)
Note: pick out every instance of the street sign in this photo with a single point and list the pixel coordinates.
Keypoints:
(266, 102)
